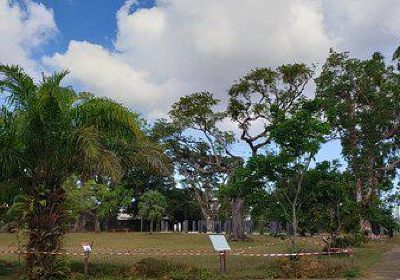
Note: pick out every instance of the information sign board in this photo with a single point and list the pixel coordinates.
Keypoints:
(219, 243)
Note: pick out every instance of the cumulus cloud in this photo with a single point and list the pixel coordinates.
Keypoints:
(363, 26)
(23, 29)
(211, 42)
(180, 46)
(106, 74)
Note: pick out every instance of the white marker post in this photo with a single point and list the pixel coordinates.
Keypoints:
(220, 245)
(87, 249)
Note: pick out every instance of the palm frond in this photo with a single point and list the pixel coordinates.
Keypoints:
(17, 84)
(91, 155)
(110, 118)
(396, 54)
(144, 153)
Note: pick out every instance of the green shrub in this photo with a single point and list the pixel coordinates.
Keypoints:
(307, 268)
(167, 270)
(352, 272)
(7, 268)
(97, 269)
(349, 240)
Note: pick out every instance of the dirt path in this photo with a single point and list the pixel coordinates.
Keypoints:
(389, 266)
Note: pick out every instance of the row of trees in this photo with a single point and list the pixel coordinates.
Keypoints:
(356, 102)
(64, 154)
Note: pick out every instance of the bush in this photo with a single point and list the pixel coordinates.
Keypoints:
(157, 269)
(308, 268)
(98, 270)
(349, 240)
(352, 272)
(7, 268)
(280, 235)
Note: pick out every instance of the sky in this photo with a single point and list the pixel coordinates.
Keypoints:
(147, 53)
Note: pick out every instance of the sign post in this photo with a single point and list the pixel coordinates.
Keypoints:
(87, 249)
(220, 245)
(222, 262)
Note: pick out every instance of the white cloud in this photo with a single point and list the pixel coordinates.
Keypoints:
(24, 29)
(181, 46)
(108, 75)
(211, 42)
(364, 26)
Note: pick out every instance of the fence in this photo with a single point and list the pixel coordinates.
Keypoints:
(203, 226)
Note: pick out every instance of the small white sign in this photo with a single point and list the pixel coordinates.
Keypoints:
(86, 247)
(219, 243)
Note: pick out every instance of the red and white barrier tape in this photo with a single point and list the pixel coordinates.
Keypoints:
(176, 253)
(292, 254)
(110, 253)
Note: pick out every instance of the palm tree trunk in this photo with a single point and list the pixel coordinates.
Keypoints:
(47, 225)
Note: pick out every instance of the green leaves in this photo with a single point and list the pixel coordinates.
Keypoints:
(266, 96)
(152, 206)
(49, 133)
(361, 101)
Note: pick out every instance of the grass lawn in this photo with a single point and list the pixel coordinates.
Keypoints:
(238, 267)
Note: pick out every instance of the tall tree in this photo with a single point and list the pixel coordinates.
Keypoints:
(203, 159)
(51, 133)
(237, 191)
(258, 102)
(362, 102)
(298, 138)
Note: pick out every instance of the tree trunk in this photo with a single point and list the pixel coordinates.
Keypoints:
(47, 225)
(75, 225)
(96, 220)
(209, 224)
(151, 226)
(237, 233)
(82, 222)
(208, 210)
(106, 222)
(294, 226)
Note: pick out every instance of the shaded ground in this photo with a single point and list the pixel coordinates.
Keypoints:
(389, 265)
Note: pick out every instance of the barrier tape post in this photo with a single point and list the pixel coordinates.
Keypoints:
(87, 248)
(222, 262)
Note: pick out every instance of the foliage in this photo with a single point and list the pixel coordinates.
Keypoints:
(152, 206)
(101, 200)
(162, 269)
(48, 133)
(349, 240)
(361, 101)
(265, 96)
(198, 148)
(298, 138)
(325, 195)
(308, 268)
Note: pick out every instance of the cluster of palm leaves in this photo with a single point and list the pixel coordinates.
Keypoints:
(49, 132)
(152, 206)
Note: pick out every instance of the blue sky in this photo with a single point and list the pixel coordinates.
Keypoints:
(89, 20)
(147, 54)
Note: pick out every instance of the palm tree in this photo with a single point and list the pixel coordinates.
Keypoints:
(48, 133)
(152, 206)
